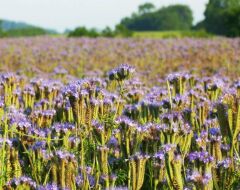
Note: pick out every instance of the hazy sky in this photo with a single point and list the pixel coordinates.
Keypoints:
(62, 14)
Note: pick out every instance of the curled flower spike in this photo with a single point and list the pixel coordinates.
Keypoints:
(50, 186)
(224, 163)
(196, 177)
(202, 156)
(23, 181)
(39, 145)
(121, 73)
(125, 121)
(63, 128)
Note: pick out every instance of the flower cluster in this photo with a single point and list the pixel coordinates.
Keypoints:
(113, 130)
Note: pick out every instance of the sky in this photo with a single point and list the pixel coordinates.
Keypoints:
(68, 14)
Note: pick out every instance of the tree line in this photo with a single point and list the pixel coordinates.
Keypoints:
(222, 17)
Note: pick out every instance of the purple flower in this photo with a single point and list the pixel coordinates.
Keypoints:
(225, 147)
(63, 127)
(39, 132)
(224, 163)
(17, 92)
(168, 147)
(193, 156)
(22, 180)
(139, 156)
(159, 155)
(202, 139)
(1, 103)
(122, 72)
(171, 117)
(113, 142)
(46, 155)
(6, 141)
(91, 180)
(125, 121)
(186, 128)
(98, 126)
(39, 145)
(214, 131)
(64, 155)
(29, 89)
(196, 177)
(107, 101)
(94, 101)
(44, 113)
(50, 186)
(74, 141)
(202, 156)
(23, 125)
(60, 70)
(79, 180)
(206, 178)
(215, 134)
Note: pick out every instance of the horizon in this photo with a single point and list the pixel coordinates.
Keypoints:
(92, 14)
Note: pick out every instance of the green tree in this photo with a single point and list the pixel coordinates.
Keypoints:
(82, 31)
(107, 32)
(174, 17)
(2, 34)
(222, 17)
(146, 8)
(121, 30)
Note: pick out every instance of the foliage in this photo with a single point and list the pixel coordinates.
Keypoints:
(173, 34)
(141, 125)
(98, 133)
(174, 17)
(20, 32)
(10, 25)
(20, 29)
(120, 31)
(145, 8)
(222, 17)
(25, 32)
(151, 56)
(2, 33)
(107, 32)
(82, 31)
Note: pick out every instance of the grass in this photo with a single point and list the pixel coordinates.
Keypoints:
(172, 34)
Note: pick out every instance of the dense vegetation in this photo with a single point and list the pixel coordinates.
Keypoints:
(173, 17)
(74, 117)
(33, 31)
(9, 25)
(222, 17)
(173, 34)
(120, 31)
(150, 56)
(19, 29)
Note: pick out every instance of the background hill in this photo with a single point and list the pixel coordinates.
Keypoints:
(12, 25)
(15, 29)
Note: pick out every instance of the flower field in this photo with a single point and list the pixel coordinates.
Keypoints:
(119, 114)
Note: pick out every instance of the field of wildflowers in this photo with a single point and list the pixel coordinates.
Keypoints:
(119, 114)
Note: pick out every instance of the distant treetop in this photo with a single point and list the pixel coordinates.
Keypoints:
(174, 17)
(222, 17)
(146, 8)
